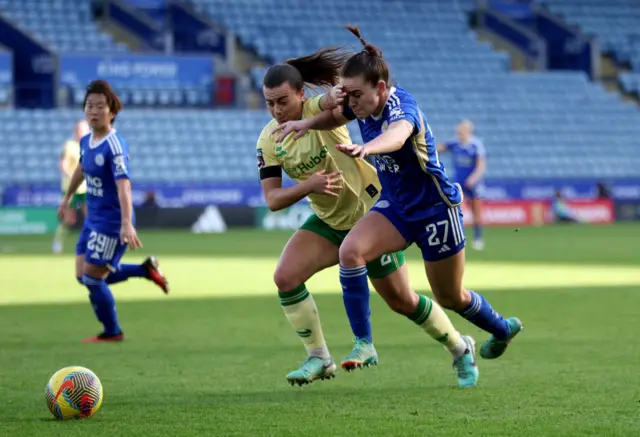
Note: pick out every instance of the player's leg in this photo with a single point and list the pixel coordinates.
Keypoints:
(442, 247)
(68, 219)
(473, 197)
(373, 236)
(390, 278)
(103, 252)
(149, 269)
(309, 250)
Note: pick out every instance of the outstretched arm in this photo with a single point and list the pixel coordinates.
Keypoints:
(391, 140)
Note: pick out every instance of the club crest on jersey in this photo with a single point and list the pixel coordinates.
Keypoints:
(382, 204)
(280, 152)
(99, 160)
(385, 126)
(260, 156)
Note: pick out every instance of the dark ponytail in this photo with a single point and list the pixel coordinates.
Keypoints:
(321, 69)
(368, 63)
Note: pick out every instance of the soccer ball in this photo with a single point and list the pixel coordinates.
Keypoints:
(73, 393)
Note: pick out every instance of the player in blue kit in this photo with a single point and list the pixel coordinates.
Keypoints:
(470, 164)
(109, 225)
(418, 203)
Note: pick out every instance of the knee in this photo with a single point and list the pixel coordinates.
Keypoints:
(350, 255)
(285, 280)
(402, 304)
(454, 300)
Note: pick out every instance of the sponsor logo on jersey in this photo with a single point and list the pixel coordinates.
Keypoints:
(387, 163)
(309, 165)
(94, 186)
(395, 114)
(120, 167)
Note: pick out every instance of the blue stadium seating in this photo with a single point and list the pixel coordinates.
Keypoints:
(615, 23)
(522, 116)
(63, 25)
(531, 122)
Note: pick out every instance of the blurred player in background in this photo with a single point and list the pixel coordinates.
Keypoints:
(109, 226)
(418, 203)
(561, 211)
(470, 164)
(68, 162)
(341, 191)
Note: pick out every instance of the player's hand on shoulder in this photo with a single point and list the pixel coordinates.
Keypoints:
(128, 235)
(354, 150)
(297, 126)
(325, 183)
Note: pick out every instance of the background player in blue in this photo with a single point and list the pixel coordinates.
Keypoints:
(109, 226)
(470, 164)
(418, 203)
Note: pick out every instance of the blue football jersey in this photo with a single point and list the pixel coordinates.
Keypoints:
(465, 156)
(413, 179)
(102, 165)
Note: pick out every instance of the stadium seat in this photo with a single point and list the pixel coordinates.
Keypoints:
(530, 122)
(64, 25)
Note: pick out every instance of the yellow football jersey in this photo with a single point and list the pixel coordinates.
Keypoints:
(71, 153)
(314, 152)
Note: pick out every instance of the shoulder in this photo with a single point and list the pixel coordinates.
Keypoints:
(117, 144)
(479, 145)
(400, 97)
(311, 106)
(265, 139)
(84, 141)
(400, 106)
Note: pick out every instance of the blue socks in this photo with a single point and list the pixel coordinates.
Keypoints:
(480, 313)
(104, 305)
(477, 232)
(355, 292)
(126, 271)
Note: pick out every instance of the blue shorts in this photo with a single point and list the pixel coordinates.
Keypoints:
(438, 237)
(100, 248)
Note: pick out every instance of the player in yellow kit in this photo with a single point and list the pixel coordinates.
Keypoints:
(341, 190)
(69, 160)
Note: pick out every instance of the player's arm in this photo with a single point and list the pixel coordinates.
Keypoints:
(120, 171)
(275, 195)
(74, 184)
(393, 139)
(442, 147)
(404, 121)
(65, 165)
(278, 198)
(328, 119)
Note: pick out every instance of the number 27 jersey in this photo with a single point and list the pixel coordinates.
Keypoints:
(413, 180)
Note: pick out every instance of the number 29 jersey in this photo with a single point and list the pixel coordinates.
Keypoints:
(103, 164)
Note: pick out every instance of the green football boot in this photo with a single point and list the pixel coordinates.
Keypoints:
(465, 366)
(362, 355)
(313, 368)
(494, 348)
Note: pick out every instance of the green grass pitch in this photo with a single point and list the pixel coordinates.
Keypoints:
(210, 359)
